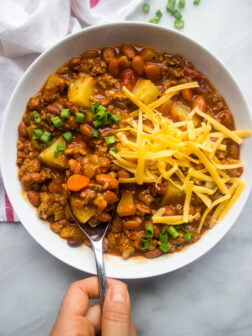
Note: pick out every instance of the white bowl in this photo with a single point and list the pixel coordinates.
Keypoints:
(98, 36)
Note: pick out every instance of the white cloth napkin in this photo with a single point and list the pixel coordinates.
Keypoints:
(32, 26)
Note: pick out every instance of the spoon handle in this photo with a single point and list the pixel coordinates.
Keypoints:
(98, 252)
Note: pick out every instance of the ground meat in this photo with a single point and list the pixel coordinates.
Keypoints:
(107, 81)
(126, 247)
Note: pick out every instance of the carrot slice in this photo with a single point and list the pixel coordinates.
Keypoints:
(77, 182)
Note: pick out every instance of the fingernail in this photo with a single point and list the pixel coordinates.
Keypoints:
(118, 293)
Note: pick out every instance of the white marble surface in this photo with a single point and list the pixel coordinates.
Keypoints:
(212, 296)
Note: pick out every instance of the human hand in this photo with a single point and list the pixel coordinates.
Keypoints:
(75, 317)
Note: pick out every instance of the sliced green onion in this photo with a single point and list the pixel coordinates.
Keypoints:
(55, 154)
(177, 227)
(61, 148)
(36, 117)
(46, 137)
(82, 111)
(97, 123)
(146, 8)
(164, 247)
(163, 237)
(173, 232)
(179, 24)
(170, 5)
(177, 14)
(159, 13)
(155, 19)
(113, 149)
(79, 117)
(92, 108)
(147, 217)
(158, 200)
(186, 236)
(149, 231)
(181, 4)
(57, 122)
(101, 108)
(68, 136)
(115, 118)
(36, 133)
(99, 115)
(65, 113)
(107, 118)
(145, 243)
(97, 104)
(196, 2)
(95, 134)
(109, 140)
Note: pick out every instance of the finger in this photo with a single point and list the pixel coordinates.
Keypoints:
(132, 329)
(116, 311)
(93, 314)
(76, 300)
(77, 325)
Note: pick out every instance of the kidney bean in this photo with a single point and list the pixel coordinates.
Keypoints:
(129, 79)
(74, 63)
(158, 188)
(152, 71)
(22, 130)
(200, 102)
(74, 242)
(105, 179)
(153, 254)
(86, 131)
(70, 123)
(92, 53)
(233, 151)
(123, 63)
(138, 65)
(110, 196)
(128, 51)
(108, 53)
(188, 95)
(33, 197)
(133, 223)
(169, 211)
(103, 217)
(192, 73)
(53, 109)
(113, 67)
(226, 119)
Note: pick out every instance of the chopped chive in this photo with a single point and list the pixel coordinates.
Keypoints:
(177, 14)
(158, 200)
(61, 148)
(186, 236)
(36, 133)
(46, 137)
(155, 19)
(79, 117)
(115, 118)
(145, 243)
(181, 4)
(159, 13)
(173, 232)
(109, 140)
(179, 24)
(163, 237)
(97, 123)
(55, 154)
(95, 134)
(146, 8)
(196, 2)
(164, 247)
(65, 113)
(57, 122)
(149, 231)
(147, 217)
(113, 149)
(82, 111)
(170, 5)
(68, 136)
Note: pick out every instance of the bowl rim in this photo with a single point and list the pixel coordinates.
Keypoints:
(192, 40)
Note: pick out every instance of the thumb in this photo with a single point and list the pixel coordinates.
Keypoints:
(116, 311)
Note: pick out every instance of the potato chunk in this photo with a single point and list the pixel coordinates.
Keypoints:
(85, 213)
(146, 91)
(47, 155)
(80, 91)
(126, 206)
(181, 112)
(173, 194)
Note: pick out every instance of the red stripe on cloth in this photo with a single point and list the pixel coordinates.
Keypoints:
(8, 209)
(93, 3)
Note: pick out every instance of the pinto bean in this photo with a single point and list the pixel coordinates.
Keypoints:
(192, 73)
(72, 164)
(158, 188)
(133, 223)
(86, 131)
(226, 119)
(123, 63)
(54, 109)
(200, 102)
(123, 174)
(33, 197)
(169, 211)
(70, 123)
(103, 217)
(105, 179)
(152, 71)
(108, 53)
(74, 242)
(110, 196)
(113, 67)
(234, 151)
(188, 95)
(128, 51)
(138, 65)
(129, 79)
(22, 130)
(92, 53)
(74, 63)
(153, 254)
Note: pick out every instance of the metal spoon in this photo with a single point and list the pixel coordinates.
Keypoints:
(96, 235)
